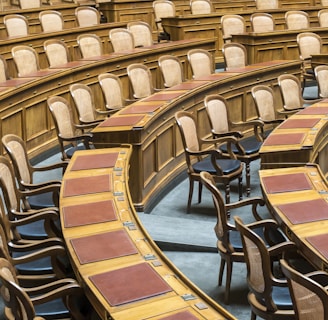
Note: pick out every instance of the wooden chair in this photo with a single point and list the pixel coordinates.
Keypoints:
(266, 4)
(323, 18)
(268, 296)
(121, 39)
(90, 45)
(141, 32)
(229, 243)
(51, 21)
(262, 22)
(87, 16)
(162, 8)
(198, 159)
(56, 52)
(324, 3)
(201, 7)
(85, 105)
(245, 149)
(25, 172)
(234, 55)
(296, 20)
(4, 74)
(321, 75)
(232, 24)
(308, 291)
(70, 135)
(16, 25)
(171, 70)
(201, 62)
(28, 4)
(26, 60)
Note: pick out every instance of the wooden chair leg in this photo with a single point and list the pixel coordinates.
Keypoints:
(191, 190)
(228, 282)
(240, 187)
(227, 192)
(248, 179)
(222, 265)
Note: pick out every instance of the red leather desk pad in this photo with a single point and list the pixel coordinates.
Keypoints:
(86, 185)
(283, 139)
(89, 213)
(15, 82)
(130, 284)
(95, 161)
(121, 121)
(41, 73)
(320, 243)
(142, 107)
(286, 183)
(103, 246)
(314, 110)
(305, 211)
(164, 96)
(188, 85)
(184, 315)
(299, 123)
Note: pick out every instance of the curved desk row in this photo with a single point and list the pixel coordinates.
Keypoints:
(123, 272)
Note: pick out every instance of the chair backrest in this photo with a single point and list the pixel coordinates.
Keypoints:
(310, 298)
(321, 75)
(84, 101)
(26, 60)
(51, 20)
(266, 4)
(90, 45)
(121, 39)
(56, 52)
(87, 16)
(262, 22)
(141, 32)
(112, 90)
(324, 3)
(296, 19)
(4, 75)
(291, 91)
(171, 69)
(201, 7)
(16, 25)
(162, 8)
(235, 55)
(201, 62)
(264, 102)
(308, 43)
(141, 80)
(323, 17)
(232, 24)
(28, 4)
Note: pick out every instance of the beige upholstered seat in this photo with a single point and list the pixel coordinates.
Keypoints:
(141, 32)
(28, 4)
(296, 20)
(16, 25)
(26, 60)
(262, 22)
(112, 91)
(87, 16)
(51, 20)
(4, 75)
(235, 55)
(201, 7)
(70, 135)
(90, 45)
(162, 8)
(321, 75)
(266, 4)
(171, 69)
(232, 24)
(323, 17)
(201, 62)
(56, 52)
(121, 39)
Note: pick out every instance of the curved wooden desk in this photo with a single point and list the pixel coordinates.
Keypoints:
(124, 274)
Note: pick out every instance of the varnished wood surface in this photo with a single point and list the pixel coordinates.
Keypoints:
(167, 304)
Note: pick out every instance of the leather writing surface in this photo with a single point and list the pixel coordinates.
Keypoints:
(184, 315)
(121, 121)
(286, 183)
(283, 139)
(320, 243)
(188, 85)
(142, 107)
(94, 161)
(314, 110)
(41, 73)
(298, 123)
(15, 82)
(103, 246)
(89, 213)
(164, 96)
(305, 211)
(129, 284)
(86, 185)
(214, 76)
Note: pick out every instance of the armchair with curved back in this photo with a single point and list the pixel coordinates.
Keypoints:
(28, 4)
(297, 19)
(321, 75)
(171, 70)
(201, 62)
(51, 20)
(141, 32)
(162, 8)
(4, 73)
(56, 52)
(121, 39)
(87, 16)
(201, 7)
(234, 55)
(90, 45)
(232, 24)
(16, 25)
(323, 17)
(223, 169)
(262, 22)
(266, 4)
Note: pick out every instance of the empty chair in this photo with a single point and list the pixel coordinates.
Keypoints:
(16, 25)
(245, 149)
(121, 39)
(70, 136)
(51, 21)
(4, 75)
(171, 69)
(201, 7)
(201, 62)
(235, 55)
(321, 75)
(87, 16)
(26, 60)
(200, 158)
(232, 24)
(28, 4)
(262, 22)
(266, 4)
(85, 104)
(297, 20)
(324, 3)
(90, 45)
(162, 8)
(323, 17)
(56, 52)
(141, 32)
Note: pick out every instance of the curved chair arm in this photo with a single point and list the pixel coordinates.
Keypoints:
(224, 140)
(257, 125)
(53, 290)
(31, 186)
(84, 136)
(58, 165)
(254, 202)
(107, 112)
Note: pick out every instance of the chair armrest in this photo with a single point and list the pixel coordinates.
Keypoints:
(57, 165)
(53, 290)
(84, 136)
(32, 186)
